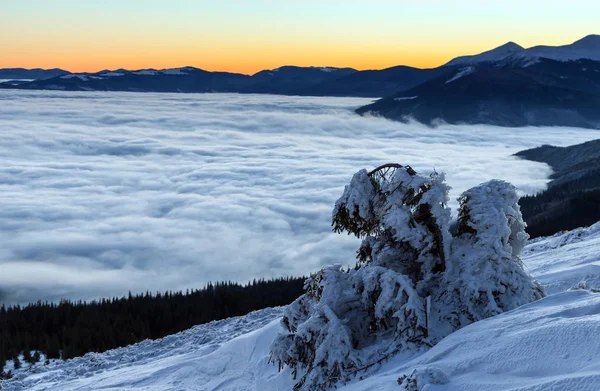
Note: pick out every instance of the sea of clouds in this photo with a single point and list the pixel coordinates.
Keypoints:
(102, 193)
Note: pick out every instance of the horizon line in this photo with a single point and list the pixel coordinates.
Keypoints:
(300, 66)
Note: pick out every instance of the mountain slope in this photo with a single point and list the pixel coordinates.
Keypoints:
(573, 196)
(564, 159)
(295, 80)
(30, 74)
(585, 48)
(378, 83)
(286, 80)
(541, 346)
(497, 54)
(186, 79)
(546, 93)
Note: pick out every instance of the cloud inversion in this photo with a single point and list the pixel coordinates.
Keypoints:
(102, 193)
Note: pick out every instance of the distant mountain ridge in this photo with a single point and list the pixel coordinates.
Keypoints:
(497, 54)
(547, 93)
(585, 48)
(285, 80)
(505, 86)
(30, 74)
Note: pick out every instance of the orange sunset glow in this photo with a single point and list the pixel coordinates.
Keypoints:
(248, 36)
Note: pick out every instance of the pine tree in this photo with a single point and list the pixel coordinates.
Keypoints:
(403, 222)
(413, 283)
(487, 276)
(27, 357)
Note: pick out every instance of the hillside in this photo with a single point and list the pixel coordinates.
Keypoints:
(549, 92)
(587, 47)
(545, 345)
(507, 86)
(30, 74)
(573, 196)
(286, 80)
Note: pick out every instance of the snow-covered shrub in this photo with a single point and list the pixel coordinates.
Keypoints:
(413, 283)
(486, 276)
(583, 285)
(421, 379)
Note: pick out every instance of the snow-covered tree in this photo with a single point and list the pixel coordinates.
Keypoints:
(487, 276)
(406, 290)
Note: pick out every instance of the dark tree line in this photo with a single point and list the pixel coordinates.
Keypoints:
(70, 329)
(564, 205)
(580, 209)
(571, 200)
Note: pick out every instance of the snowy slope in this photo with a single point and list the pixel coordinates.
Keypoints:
(228, 354)
(549, 345)
(497, 54)
(562, 261)
(585, 48)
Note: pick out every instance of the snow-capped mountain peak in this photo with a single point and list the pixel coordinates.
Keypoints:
(497, 54)
(585, 48)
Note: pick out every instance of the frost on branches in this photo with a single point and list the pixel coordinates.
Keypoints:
(487, 277)
(414, 283)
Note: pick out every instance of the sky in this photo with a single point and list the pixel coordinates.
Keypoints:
(250, 35)
(109, 192)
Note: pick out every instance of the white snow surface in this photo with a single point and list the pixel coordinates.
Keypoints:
(562, 261)
(405, 98)
(497, 54)
(146, 72)
(585, 48)
(461, 73)
(548, 345)
(177, 71)
(5, 80)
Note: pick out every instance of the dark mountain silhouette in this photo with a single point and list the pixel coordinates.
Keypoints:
(30, 74)
(573, 196)
(286, 80)
(547, 92)
(505, 86)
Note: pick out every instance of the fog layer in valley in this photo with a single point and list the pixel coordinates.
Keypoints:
(102, 193)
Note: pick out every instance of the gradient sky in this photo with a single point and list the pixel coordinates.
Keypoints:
(250, 35)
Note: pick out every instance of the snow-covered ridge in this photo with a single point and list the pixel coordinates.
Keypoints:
(585, 48)
(497, 54)
(121, 72)
(547, 345)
